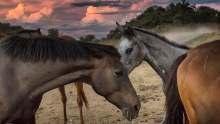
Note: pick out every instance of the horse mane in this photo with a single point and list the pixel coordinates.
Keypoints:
(161, 38)
(29, 31)
(52, 48)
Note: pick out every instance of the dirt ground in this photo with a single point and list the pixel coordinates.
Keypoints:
(146, 82)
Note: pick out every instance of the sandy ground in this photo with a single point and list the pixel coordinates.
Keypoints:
(146, 82)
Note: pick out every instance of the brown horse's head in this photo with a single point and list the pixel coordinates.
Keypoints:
(111, 81)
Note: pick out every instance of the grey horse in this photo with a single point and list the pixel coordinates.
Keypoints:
(138, 45)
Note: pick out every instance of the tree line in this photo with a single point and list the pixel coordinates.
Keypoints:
(154, 17)
(182, 13)
(7, 28)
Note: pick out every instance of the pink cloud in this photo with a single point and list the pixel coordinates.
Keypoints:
(34, 17)
(17, 13)
(20, 14)
(140, 5)
(215, 6)
(91, 17)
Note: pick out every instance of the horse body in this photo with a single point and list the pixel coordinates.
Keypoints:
(30, 67)
(25, 76)
(25, 114)
(198, 78)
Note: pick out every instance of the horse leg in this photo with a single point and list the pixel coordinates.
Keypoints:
(34, 107)
(190, 112)
(79, 87)
(64, 99)
(187, 101)
(84, 98)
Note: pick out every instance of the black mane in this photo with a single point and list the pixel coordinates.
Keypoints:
(28, 31)
(51, 48)
(161, 38)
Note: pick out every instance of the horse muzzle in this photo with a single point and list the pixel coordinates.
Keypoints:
(131, 112)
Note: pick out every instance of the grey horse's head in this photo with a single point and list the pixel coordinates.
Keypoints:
(130, 47)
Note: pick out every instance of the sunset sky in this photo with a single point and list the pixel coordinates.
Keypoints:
(79, 17)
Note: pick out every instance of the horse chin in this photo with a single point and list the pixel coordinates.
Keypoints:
(129, 115)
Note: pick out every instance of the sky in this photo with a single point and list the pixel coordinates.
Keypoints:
(79, 17)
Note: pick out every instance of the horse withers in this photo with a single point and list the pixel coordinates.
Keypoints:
(30, 67)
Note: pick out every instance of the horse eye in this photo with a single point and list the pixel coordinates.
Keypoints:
(119, 73)
(129, 50)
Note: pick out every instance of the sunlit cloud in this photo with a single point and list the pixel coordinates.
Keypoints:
(17, 13)
(20, 14)
(91, 17)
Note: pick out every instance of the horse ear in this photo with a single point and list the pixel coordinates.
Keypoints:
(38, 30)
(130, 29)
(121, 28)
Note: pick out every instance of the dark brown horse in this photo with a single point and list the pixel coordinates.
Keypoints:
(79, 86)
(195, 86)
(30, 67)
(19, 118)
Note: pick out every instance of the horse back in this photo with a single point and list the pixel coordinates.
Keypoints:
(199, 83)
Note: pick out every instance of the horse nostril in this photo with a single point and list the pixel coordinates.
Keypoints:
(137, 108)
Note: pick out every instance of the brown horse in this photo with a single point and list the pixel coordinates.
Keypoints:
(81, 97)
(31, 66)
(193, 96)
(33, 108)
(30, 109)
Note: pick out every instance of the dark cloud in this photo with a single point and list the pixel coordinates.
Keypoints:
(120, 12)
(6, 6)
(77, 30)
(66, 13)
(198, 1)
(159, 2)
(121, 4)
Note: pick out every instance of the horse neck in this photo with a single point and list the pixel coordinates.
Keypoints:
(58, 74)
(160, 54)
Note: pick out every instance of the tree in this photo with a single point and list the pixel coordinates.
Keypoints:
(53, 32)
(218, 20)
(89, 38)
(206, 14)
(182, 13)
(82, 39)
